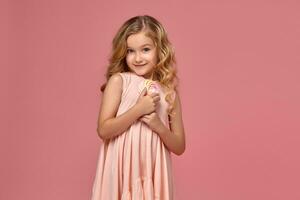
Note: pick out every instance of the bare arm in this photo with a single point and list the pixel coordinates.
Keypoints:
(109, 125)
(174, 139)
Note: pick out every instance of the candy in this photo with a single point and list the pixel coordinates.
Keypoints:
(152, 86)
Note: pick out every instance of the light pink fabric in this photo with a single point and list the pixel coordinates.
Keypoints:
(134, 165)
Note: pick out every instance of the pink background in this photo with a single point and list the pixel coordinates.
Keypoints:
(239, 72)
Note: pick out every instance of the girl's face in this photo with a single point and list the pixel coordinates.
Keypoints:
(141, 56)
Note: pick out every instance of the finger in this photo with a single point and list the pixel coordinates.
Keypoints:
(154, 94)
(156, 98)
(150, 114)
(146, 116)
(144, 92)
(144, 120)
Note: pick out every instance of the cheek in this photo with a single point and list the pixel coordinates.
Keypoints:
(128, 58)
(152, 57)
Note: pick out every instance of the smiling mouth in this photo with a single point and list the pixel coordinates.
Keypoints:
(140, 65)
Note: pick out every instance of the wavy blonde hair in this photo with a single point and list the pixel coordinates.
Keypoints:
(165, 72)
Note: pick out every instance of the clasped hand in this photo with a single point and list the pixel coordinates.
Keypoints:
(148, 104)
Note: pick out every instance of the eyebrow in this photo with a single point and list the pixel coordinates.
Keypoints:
(143, 45)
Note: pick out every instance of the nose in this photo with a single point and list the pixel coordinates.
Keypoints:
(138, 58)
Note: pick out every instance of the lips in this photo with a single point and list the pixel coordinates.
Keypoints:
(139, 65)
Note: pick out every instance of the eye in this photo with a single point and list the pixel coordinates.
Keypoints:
(146, 49)
(129, 50)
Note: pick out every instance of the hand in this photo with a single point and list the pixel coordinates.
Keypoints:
(153, 121)
(147, 103)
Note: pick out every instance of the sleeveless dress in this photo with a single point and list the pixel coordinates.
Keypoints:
(135, 165)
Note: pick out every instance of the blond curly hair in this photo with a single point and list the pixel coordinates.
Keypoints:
(165, 72)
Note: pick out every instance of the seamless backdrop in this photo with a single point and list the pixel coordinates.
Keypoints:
(238, 63)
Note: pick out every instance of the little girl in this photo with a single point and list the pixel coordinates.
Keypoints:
(140, 119)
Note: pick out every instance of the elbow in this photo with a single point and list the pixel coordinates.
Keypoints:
(180, 151)
(105, 131)
(101, 134)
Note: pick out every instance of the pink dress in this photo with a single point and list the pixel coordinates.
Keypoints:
(135, 165)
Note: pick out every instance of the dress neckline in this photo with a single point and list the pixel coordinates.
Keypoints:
(140, 76)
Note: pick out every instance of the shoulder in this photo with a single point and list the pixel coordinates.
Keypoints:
(115, 82)
(115, 79)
